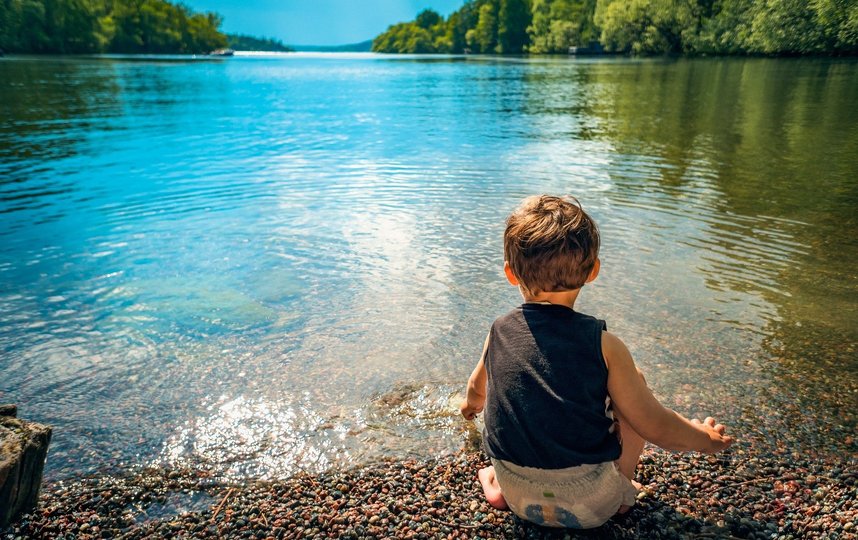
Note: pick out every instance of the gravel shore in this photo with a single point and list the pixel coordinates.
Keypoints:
(732, 495)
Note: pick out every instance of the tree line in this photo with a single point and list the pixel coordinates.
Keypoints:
(772, 27)
(243, 42)
(107, 26)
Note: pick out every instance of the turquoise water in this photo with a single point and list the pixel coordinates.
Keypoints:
(279, 263)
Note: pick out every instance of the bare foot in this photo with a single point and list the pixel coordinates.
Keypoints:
(491, 488)
(623, 509)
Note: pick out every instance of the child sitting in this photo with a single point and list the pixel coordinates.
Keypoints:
(567, 412)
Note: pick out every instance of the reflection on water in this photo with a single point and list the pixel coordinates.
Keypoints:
(274, 264)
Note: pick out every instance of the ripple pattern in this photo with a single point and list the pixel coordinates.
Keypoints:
(283, 263)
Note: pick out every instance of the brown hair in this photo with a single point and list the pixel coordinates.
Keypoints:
(551, 244)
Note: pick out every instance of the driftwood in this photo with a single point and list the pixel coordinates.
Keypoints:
(23, 448)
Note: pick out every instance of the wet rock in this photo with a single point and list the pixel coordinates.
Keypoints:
(23, 448)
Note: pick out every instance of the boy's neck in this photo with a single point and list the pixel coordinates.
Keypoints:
(562, 298)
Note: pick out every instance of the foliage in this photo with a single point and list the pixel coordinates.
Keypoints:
(646, 26)
(483, 37)
(633, 26)
(123, 26)
(560, 24)
(729, 26)
(426, 34)
(241, 42)
(513, 20)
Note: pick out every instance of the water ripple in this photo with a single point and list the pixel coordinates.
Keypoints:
(288, 263)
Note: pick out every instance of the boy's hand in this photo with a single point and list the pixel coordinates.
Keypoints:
(468, 411)
(717, 440)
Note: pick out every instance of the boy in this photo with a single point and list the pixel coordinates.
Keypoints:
(567, 412)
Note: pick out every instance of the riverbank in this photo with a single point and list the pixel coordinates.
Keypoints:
(734, 495)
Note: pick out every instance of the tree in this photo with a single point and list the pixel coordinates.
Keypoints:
(559, 24)
(635, 26)
(725, 29)
(428, 18)
(483, 37)
(786, 26)
(646, 26)
(513, 20)
(126, 26)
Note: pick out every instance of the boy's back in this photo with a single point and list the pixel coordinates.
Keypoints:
(545, 377)
(547, 402)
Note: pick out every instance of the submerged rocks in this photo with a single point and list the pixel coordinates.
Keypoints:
(23, 448)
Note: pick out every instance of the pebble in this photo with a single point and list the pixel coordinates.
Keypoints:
(686, 495)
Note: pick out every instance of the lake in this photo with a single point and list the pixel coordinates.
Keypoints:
(267, 264)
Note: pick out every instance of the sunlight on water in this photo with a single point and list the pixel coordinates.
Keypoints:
(282, 263)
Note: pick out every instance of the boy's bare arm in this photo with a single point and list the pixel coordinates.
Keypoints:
(475, 398)
(655, 423)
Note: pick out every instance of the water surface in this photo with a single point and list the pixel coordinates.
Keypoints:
(281, 263)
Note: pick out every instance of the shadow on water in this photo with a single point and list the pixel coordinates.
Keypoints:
(47, 108)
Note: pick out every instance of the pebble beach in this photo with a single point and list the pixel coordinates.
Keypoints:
(736, 494)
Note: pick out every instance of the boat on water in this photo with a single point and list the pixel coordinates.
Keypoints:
(222, 52)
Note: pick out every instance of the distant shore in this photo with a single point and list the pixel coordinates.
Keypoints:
(734, 495)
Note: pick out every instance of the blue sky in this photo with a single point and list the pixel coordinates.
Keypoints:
(318, 22)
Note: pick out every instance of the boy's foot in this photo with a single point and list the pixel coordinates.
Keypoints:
(623, 509)
(491, 488)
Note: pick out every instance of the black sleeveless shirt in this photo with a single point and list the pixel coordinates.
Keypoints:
(547, 404)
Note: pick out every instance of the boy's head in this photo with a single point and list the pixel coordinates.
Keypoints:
(550, 244)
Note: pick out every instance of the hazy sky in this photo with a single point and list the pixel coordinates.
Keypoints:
(318, 22)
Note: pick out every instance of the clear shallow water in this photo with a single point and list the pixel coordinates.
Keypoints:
(273, 264)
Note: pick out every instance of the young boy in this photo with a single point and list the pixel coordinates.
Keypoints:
(567, 412)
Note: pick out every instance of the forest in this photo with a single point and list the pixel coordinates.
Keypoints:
(242, 42)
(692, 27)
(107, 26)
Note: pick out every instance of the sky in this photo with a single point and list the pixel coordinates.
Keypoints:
(318, 22)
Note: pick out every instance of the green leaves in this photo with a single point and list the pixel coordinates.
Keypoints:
(560, 24)
(87, 26)
(633, 26)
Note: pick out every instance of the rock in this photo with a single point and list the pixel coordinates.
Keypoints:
(23, 448)
(9, 410)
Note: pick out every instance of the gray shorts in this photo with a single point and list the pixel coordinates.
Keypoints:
(579, 497)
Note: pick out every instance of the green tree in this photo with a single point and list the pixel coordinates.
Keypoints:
(786, 26)
(635, 26)
(725, 29)
(483, 38)
(559, 24)
(428, 18)
(646, 26)
(513, 20)
(130, 26)
(839, 20)
(409, 38)
(459, 23)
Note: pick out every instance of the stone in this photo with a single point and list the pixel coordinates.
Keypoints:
(23, 449)
(8, 410)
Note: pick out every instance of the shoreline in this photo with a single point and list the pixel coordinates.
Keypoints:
(737, 494)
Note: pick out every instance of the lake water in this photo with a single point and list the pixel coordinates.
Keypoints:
(279, 263)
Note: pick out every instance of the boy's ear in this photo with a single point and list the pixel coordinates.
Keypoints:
(509, 275)
(594, 273)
